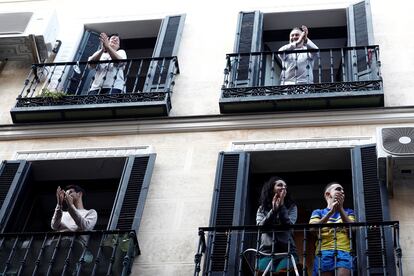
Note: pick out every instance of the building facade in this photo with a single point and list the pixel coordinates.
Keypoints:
(201, 123)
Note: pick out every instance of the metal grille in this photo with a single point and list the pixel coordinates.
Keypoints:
(398, 140)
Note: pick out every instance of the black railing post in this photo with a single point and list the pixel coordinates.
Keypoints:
(368, 61)
(9, 259)
(366, 250)
(53, 259)
(351, 248)
(398, 251)
(383, 251)
(272, 69)
(60, 77)
(331, 63)
(137, 76)
(200, 250)
(227, 254)
(23, 262)
(226, 73)
(257, 255)
(319, 250)
(39, 256)
(304, 251)
(99, 254)
(113, 255)
(127, 76)
(343, 65)
(240, 271)
(335, 240)
(85, 69)
(127, 261)
(319, 67)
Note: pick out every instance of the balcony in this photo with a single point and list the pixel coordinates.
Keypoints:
(342, 78)
(79, 253)
(233, 250)
(61, 91)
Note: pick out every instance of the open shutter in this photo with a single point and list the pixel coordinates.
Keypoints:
(371, 205)
(132, 192)
(228, 204)
(248, 39)
(360, 33)
(167, 44)
(79, 83)
(13, 175)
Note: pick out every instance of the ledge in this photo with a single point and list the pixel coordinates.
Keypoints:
(390, 115)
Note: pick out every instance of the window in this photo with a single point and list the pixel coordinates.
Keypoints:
(62, 89)
(115, 187)
(346, 60)
(240, 176)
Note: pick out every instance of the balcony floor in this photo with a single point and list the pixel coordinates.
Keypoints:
(302, 97)
(70, 108)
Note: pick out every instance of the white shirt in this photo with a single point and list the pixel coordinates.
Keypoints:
(298, 67)
(109, 71)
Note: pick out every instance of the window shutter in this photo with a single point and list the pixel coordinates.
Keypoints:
(248, 39)
(89, 44)
(167, 44)
(227, 209)
(132, 192)
(360, 33)
(12, 177)
(371, 205)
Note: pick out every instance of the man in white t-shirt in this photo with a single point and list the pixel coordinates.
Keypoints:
(76, 218)
(109, 77)
(297, 68)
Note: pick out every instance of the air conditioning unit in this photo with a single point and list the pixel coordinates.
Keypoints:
(395, 151)
(28, 36)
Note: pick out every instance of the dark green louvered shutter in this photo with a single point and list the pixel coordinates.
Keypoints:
(248, 39)
(167, 44)
(80, 83)
(360, 33)
(371, 205)
(12, 177)
(132, 192)
(229, 200)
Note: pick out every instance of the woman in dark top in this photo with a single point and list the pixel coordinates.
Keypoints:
(276, 208)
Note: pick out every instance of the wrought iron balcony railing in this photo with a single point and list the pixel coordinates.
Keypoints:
(235, 250)
(69, 253)
(331, 75)
(130, 88)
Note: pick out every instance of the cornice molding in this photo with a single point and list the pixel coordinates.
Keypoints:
(403, 115)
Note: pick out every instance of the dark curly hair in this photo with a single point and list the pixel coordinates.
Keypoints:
(267, 194)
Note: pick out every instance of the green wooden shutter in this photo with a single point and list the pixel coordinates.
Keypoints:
(13, 175)
(371, 205)
(360, 33)
(88, 46)
(132, 192)
(248, 39)
(167, 44)
(228, 209)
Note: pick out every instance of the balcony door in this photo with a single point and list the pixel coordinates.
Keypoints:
(240, 176)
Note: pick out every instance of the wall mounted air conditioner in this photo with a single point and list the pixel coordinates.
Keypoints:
(28, 36)
(395, 151)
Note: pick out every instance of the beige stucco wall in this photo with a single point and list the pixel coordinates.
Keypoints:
(181, 188)
(208, 35)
